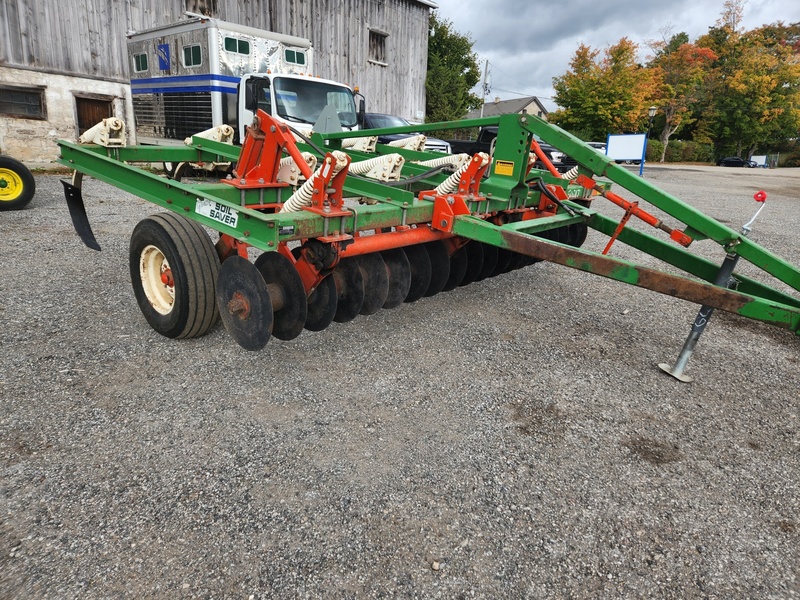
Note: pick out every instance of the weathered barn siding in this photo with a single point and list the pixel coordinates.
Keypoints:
(85, 40)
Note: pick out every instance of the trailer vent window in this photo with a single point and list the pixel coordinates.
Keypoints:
(25, 103)
(236, 45)
(377, 46)
(192, 56)
(140, 63)
(294, 57)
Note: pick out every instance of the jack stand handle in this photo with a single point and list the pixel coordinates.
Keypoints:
(723, 278)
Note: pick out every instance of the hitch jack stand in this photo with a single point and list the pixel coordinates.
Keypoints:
(703, 317)
(724, 278)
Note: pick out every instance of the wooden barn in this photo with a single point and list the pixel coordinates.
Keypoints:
(64, 64)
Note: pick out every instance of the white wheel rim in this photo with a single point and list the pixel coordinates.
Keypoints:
(152, 266)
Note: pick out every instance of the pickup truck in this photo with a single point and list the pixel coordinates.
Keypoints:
(484, 143)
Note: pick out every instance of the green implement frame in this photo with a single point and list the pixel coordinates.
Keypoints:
(511, 207)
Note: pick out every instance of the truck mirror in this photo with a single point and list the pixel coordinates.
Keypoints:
(362, 109)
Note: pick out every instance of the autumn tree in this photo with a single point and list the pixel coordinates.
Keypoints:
(601, 95)
(756, 87)
(578, 95)
(452, 72)
(682, 72)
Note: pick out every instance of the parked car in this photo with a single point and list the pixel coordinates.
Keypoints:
(599, 146)
(485, 141)
(383, 121)
(735, 161)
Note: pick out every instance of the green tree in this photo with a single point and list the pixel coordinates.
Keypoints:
(452, 72)
(604, 95)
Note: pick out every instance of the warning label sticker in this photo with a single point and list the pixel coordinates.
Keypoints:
(218, 212)
(503, 167)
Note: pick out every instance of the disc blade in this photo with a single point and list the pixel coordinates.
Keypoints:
(290, 305)
(420, 264)
(440, 266)
(349, 290)
(458, 267)
(490, 256)
(399, 270)
(503, 258)
(376, 282)
(244, 303)
(322, 303)
(517, 261)
(474, 263)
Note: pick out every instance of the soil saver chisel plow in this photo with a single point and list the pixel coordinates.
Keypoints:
(423, 223)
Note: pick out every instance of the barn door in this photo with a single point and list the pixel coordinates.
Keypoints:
(91, 111)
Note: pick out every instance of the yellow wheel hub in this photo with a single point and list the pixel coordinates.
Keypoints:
(10, 185)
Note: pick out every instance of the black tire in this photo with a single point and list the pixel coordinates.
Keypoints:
(188, 308)
(178, 170)
(17, 185)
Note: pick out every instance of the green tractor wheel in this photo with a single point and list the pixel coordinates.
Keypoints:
(17, 185)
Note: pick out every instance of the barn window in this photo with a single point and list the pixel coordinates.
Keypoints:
(192, 56)
(236, 45)
(26, 103)
(140, 62)
(295, 57)
(377, 46)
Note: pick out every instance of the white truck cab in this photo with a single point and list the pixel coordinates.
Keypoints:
(298, 100)
(201, 73)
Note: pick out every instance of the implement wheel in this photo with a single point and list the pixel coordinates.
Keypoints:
(177, 170)
(174, 268)
(17, 185)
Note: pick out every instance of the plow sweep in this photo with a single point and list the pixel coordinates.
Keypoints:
(346, 227)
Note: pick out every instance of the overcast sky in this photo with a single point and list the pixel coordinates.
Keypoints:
(528, 42)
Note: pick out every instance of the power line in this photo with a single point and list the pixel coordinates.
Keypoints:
(521, 94)
(496, 68)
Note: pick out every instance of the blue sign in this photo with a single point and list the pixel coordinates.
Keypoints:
(163, 56)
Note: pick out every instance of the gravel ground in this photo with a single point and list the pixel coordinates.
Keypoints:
(513, 438)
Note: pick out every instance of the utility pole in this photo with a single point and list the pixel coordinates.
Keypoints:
(485, 85)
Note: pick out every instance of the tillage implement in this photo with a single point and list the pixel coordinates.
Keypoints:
(311, 230)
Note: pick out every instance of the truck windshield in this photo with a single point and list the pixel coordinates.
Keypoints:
(302, 100)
